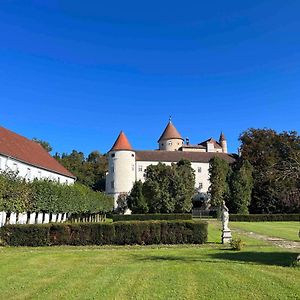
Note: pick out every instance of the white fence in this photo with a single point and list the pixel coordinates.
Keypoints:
(31, 218)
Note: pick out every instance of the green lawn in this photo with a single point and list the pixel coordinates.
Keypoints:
(209, 271)
(285, 230)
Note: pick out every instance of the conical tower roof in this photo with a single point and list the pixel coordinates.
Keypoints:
(170, 132)
(222, 137)
(121, 143)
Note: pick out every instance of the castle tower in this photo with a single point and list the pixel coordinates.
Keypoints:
(121, 168)
(170, 140)
(223, 142)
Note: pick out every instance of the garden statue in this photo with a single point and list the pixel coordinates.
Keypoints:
(226, 232)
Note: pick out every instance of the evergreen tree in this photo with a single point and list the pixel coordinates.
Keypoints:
(218, 175)
(241, 185)
(136, 201)
(183, 186)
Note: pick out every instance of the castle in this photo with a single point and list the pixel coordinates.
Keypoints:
(126, 165)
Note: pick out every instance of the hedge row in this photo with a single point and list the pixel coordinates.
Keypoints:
(18, 195)
(118, 233)
(264, 217)
(147, 217)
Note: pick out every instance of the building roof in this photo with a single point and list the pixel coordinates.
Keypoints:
(175, 156)
(121, 143)
(22, 149)
(213, 141)
(222, 137)
(170, 132)
(190, 146)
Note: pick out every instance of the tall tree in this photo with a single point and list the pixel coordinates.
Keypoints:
(218, 175)
(183, 186)
(169, 188)
(89, 171)
(240, 185)
(270, 153)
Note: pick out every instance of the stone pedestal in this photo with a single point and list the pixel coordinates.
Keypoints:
(226, 236)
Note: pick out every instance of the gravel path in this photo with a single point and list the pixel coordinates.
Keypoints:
(274, 240)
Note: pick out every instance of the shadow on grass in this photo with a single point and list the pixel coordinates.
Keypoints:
(282, 259)
(262, 258)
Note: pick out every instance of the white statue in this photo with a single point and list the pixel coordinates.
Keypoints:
(225, 216)
(226, 232)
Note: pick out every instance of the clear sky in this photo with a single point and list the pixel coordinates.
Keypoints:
(75, 73)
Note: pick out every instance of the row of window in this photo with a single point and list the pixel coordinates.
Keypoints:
(112, 185)
(29, 173)
(140, 169)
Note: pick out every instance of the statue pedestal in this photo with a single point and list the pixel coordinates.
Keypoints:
(226, 236)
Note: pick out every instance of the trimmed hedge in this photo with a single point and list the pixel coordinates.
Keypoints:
(148, 217)
(118, 233)
(264, 217)
(17, 195)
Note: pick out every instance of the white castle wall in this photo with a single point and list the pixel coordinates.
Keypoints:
(121, 174)
(171, 144)
(30, 172)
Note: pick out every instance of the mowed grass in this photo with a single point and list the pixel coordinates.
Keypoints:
(285, 230)
(209, 271)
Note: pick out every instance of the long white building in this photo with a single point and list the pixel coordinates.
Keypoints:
(30, 159)
(127, 165)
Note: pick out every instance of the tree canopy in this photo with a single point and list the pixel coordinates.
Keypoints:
(167, 189)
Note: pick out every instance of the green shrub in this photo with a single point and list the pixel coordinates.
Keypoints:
(264, 217)
(25, 235)
(236, 244)
(17, 195)
(147, 217)
(118, 233)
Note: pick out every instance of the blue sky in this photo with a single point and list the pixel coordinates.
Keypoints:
(75, 73)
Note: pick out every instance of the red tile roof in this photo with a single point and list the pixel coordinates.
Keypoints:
(30, 152)
(121, 143)
(175, 156)
(213, 141)
(170, 132)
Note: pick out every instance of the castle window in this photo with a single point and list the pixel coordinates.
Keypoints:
(170, 143)
(132, 155)
(28, 175)
(112, 184)
(39, 174)
(200, 185)
(112, 169)
(113, 155)
(132, 167)
(15, 167)
(140, 168)
(199, 169)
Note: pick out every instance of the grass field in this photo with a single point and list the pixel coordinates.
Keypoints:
(208, 271)
(285, 230)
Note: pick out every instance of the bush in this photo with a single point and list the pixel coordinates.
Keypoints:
(237, 244)
(147, 217)
(118, 233)
(25, 235)
(17, 195)
(264, 217)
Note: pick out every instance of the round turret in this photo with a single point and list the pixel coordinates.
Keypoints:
(170, 140)
(121, 168)
(223, 142)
